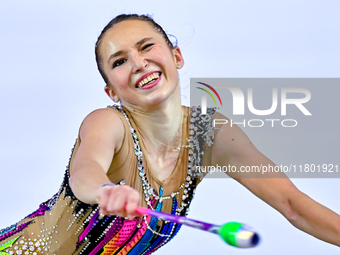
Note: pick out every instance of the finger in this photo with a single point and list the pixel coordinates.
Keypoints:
(132, 202)
(116, 203)
(104, 196)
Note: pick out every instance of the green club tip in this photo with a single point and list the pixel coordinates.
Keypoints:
(238, 235)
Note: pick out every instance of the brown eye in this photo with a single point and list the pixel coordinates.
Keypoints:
(118, 62)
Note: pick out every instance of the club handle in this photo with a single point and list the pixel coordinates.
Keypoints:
(234, 233)
(177, 219)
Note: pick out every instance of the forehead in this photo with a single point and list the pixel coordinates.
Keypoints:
(126, 34)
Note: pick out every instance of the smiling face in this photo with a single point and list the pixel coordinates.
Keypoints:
(141, 68)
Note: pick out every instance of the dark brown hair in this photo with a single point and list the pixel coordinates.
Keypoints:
(124, 17)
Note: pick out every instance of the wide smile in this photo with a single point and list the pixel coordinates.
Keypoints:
(148, 80)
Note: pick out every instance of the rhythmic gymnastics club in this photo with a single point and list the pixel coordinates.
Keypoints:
(234, 233)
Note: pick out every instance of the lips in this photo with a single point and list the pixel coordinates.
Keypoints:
(148, 79)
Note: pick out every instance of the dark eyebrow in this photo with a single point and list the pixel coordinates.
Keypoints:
(139, 43)
(116, 54)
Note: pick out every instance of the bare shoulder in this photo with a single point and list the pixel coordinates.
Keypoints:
(103, 117)
(230, 141)
(103, 125)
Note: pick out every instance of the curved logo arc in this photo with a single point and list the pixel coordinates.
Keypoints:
(213, 90)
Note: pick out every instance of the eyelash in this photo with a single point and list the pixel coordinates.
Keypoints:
(119, 61)
(147, 46)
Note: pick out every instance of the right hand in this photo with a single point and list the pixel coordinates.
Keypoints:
(119, 200)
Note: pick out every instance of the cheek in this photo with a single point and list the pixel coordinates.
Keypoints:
(164, 55)
(166, 60)
(118, 78)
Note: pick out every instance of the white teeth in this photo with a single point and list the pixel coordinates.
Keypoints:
(148, 79)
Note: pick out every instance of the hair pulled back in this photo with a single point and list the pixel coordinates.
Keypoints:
(115, 21)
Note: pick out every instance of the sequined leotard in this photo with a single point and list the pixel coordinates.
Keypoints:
(64, 225)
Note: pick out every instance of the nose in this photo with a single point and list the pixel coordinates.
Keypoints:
(139, 63)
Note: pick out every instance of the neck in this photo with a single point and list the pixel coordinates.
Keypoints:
(162, 122)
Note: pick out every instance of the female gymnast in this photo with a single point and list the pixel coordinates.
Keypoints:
(142, 152)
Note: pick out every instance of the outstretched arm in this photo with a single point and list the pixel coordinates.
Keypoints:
(101, 137)
(233, 147)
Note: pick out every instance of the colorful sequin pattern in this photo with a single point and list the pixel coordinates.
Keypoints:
(64, 225)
